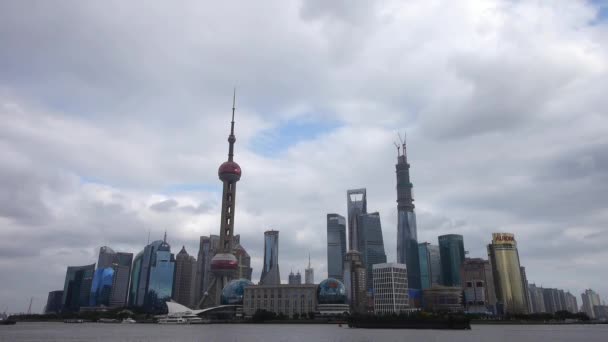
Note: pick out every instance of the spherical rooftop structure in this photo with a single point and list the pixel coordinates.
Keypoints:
(331, 291)
(224, 262)
(229, 171)
(232, 294)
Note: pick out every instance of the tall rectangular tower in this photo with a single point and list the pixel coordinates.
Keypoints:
(504, 258)
(336, 246)
(270, 269)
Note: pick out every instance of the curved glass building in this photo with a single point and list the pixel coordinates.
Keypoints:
(102, 287)
(270, 271)
(233, 293)
(331, 291)
(451, 251)
(506, 270)
(77, 287)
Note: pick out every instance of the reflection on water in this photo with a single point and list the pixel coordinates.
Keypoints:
(292, 333)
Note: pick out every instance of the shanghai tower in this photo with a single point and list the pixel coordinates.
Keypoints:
(407, 236)
(224, 264)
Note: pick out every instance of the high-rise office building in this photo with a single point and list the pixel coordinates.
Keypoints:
(152, 277)
(504, 258)
(478, 284)
(294, 279)
(270, 271)
(77, 287)
(185, 278)
(537, 301)
(208, 246)
(407, 234)
(53, 302)
(390, 288)
(371, 244)
(590, 299)
(336, 246)
(430, 265)
(571, 303)
(111, 280)
(309, 275)
(551, 300)
(451, 250)
(355, 277)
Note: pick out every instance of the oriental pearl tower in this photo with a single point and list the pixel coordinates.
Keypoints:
(224, 264)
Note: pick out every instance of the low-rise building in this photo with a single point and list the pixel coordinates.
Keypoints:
(285, 299)
(443, 299)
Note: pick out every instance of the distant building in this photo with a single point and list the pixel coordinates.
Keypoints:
(288, 300)
(270, 268)
(524, 285)
(309, 273)
(208, 246)
(407, 233)
(110, 285)
(571, 303)
(77, 287)
(451, 250)
(600, 312)
(430, 265)
(504, 258)
(295, 279)
(478, 284)
(336, 246)
(152, 277)
(590, 299)
(390, 288)
(244, 270)
(185, 278)
(53, 302)
(537, 300)
(443, 299)
(551, 300)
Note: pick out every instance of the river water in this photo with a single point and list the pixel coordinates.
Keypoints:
(293, 333)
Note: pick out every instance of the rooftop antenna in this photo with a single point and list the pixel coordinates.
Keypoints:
(308, 259)
(165, 237)
(231, 137)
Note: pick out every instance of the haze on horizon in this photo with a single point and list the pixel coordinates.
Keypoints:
(114, 119)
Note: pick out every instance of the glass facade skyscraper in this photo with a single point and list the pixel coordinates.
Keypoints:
(430, 265)
(336, 246)
(185, 274)
(451, 250)
(371, 244)
(53, 302)
(111, 281)
(407, 233)
(77, 287)
(152, 277)
(270, 271)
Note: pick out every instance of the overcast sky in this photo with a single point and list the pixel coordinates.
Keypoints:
(114, 117)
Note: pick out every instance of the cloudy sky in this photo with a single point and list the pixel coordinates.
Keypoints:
(114, 117)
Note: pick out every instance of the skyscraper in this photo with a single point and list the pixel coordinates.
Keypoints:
(537, 300)
(185, 274)
(152, 277)
(451, 250)
(309, 276)
(244, 259)
(336, 246)
(430, 265)
(524, 284)
(590, 299)
(504, 258)
(407, 234)
(224, 265)
(270, 271)
(371, 244)
(111, 280)
(355, 278)
(77, 287)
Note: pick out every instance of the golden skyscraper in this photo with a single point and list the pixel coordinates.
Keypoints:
(504, 258)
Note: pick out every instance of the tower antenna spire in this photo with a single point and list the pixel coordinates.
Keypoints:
(231, 137)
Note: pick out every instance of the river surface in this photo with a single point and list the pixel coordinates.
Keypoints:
(292, 333)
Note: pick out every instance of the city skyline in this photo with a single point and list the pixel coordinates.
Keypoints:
(504, 117)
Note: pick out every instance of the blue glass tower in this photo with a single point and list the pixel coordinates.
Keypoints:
(371, 244)
(77, 287)
(451, 249)
(336, 246)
